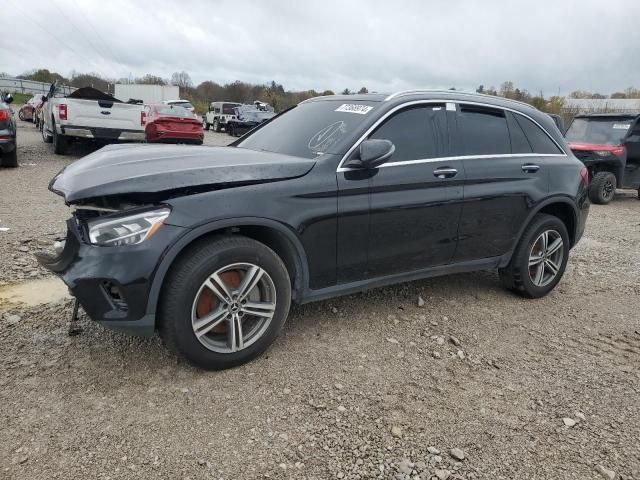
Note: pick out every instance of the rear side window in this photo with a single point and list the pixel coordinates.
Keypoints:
(418, 132)
(483, 131)
(538, 139)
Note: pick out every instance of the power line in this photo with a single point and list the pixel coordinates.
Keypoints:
(96, 50)
(31, 19)
(106, 44)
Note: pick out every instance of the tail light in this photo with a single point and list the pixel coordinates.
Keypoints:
(584, 175)
(62, 111)
(4, 115)
(143, 118)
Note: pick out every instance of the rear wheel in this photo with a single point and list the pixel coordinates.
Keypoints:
(10, 159)
(224, 302)
(540, 259)
(602, 188)
(46, 138)
(21, 114)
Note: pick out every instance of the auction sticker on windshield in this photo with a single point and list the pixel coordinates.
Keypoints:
(621, 126)
(354, 108)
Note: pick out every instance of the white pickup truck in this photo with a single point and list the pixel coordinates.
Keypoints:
(89, 114)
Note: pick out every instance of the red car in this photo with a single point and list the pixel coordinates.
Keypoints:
(171, 124)
(27, 111)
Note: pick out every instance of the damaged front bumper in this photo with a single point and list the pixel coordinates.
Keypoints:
(112, 283)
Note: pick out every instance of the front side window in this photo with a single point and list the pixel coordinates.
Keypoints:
(418, 132)
(483, 131)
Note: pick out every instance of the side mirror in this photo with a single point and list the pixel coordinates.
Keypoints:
(8, 99)
(372, 154)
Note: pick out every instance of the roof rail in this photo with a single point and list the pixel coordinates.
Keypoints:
(454, 92)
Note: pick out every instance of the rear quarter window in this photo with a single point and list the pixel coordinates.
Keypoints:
(538, 139)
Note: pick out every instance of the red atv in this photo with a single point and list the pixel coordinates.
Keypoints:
(609, 146)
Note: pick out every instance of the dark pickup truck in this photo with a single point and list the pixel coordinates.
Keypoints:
(609, 146)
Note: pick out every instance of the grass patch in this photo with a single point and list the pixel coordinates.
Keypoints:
(21, 98)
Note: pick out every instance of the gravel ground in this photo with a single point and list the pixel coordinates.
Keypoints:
(476, 383)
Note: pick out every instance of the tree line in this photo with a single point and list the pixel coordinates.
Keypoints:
(276, 95)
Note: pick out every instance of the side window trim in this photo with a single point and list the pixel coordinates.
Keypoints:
(450, 103)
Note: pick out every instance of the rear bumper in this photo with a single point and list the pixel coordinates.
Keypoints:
(96, 133)
(112, 283)
(8, 143)
(173, 136)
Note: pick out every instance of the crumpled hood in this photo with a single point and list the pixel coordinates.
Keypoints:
(136, 169)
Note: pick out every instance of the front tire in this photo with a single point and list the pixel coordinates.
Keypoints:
(216, 125)
(602, 188)
(540, 259)
(206, 125)
(46, 138)
(21, 115)
(224, 302)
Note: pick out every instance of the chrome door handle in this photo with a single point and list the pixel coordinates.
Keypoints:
(530, 168)
(445, 172)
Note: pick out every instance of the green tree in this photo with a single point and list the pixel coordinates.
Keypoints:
(363, 90)
(346, 91)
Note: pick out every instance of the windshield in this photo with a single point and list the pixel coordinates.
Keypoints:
(311, 129)
(600, 131)
(174, 111)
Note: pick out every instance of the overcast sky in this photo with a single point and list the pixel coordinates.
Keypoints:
(550, 45)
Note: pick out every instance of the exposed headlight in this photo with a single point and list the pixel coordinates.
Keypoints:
(129, 230)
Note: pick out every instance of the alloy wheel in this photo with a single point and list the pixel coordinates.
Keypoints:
(545, 258)
(607, 190)
(233, 307)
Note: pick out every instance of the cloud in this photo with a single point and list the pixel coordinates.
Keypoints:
(543, 45)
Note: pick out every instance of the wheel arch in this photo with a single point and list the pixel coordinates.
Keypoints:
(561, 207)
(282, 240)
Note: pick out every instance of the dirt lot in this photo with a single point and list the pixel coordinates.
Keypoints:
(366, 386)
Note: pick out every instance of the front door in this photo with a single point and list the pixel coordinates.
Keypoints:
(415, 198)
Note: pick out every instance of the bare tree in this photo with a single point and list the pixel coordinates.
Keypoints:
(181, 79)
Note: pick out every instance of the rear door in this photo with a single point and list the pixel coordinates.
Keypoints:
(506, 159)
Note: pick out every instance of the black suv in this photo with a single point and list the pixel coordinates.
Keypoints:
(336, 195)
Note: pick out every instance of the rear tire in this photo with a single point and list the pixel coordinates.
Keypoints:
(602, 188)
(46, 138)
(217, 347)
(21, 115)
(10, 160)
(60, 142)
(537, 265)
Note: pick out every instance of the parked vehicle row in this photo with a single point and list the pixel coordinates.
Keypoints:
(336, 195)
